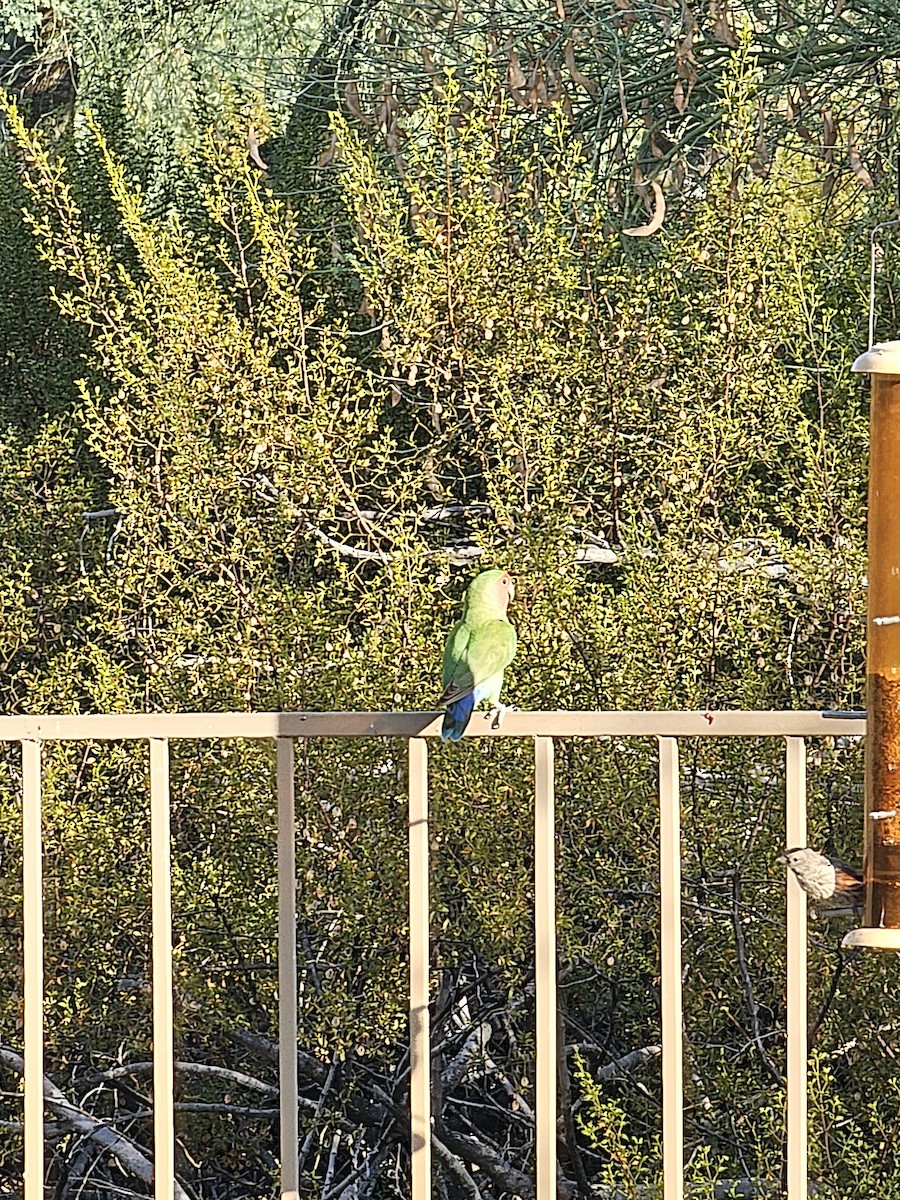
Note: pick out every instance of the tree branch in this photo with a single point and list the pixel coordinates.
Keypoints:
(455, 1165)
(476, 1043)
(474, 1150)
(129, 1156)
(628, 1062)
(146, 1068)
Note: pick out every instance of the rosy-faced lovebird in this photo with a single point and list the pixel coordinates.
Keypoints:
(480, 647)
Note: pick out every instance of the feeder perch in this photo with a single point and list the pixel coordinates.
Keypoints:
(881, 863)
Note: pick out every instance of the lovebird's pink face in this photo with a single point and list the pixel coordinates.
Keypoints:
(506, 590)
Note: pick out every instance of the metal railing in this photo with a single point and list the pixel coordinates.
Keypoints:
(543, 728)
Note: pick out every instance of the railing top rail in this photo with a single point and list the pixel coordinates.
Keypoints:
(559, 723)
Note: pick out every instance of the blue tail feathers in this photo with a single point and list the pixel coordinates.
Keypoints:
(456, 718)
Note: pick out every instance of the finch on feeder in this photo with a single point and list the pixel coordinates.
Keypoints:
(835, 888)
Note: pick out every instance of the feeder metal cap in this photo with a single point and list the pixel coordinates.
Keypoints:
(876, 937)
(881, 359)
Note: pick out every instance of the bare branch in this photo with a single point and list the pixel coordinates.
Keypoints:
(619, 1066)
(320, 1104)
(749, 991)
(365, 1171)
(329, 1174)
(129, 1156)
(308, 1066)
(343, 548)
(52, 1129)
(198, 1106)
(475, 1044)
(829, 997)
(146, 1068)
(455, 1165)
(474, 1150)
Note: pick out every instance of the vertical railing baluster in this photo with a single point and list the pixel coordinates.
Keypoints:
(419, 959)
(670, 981)
(163, 1036)
(797, 1014)
(545, 967)
(287, 969)
(33, 950)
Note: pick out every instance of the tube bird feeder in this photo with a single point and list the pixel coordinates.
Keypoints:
(881, 862)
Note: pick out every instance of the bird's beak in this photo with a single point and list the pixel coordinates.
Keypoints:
(782, 858)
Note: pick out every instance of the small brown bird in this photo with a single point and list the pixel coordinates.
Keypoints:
(834, 887)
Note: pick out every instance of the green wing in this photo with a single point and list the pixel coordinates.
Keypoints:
(454, 652)
(455, 675)
(472, 656)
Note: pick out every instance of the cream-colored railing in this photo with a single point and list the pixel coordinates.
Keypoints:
(543, 728)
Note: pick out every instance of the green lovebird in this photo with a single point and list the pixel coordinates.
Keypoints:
(480, 647)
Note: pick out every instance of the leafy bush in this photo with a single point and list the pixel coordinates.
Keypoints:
(289, 449)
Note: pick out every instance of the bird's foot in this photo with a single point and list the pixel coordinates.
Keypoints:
(498, 712)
